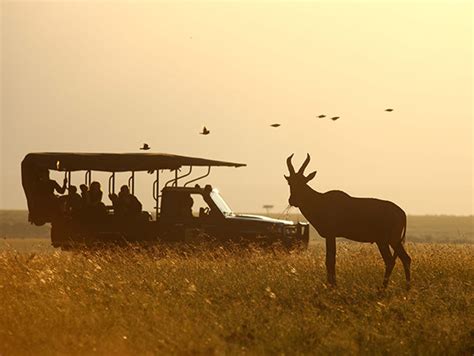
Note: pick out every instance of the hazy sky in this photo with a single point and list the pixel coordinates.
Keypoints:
(108, 76)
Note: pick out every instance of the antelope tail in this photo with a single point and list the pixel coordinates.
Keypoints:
(402, 239)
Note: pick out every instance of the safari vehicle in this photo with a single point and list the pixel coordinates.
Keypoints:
(176, 218)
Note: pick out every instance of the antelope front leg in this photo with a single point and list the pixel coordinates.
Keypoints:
(331, 260)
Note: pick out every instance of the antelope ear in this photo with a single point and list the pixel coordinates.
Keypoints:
(286, 177)
(311, 176)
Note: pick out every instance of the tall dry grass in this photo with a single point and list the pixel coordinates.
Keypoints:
(213, 302)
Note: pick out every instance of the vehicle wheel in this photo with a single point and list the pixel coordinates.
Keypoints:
(59, 234)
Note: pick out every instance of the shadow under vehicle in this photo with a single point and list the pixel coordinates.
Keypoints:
(184, 213)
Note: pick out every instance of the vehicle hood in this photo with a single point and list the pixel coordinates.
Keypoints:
(264, 219)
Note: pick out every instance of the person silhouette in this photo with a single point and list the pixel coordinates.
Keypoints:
(84, 193)
(95, 206)
(95, 193)
(49, 186)
(187, 207)
(46, 189)
(74, 202)
(125, 204)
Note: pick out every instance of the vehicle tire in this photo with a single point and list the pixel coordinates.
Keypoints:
(59, 234)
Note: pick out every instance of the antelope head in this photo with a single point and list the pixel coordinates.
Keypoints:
(298, 181)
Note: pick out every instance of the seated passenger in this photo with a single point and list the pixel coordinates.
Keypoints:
(46, 189)
(74, 202)
(95, 193)
(84, 193)
(125, 204)
(48, 186)
(95, 205)
(117, 204)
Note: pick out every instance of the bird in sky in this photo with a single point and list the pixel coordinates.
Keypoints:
(275, 125)
(205, 131)
(334, 118)
(389, 110)
(321, 116)
(145, 147)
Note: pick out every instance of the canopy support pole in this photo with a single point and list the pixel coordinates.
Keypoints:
(67, 175)
(131, 182)
(112, 183)
(156, 193)
(88, 178)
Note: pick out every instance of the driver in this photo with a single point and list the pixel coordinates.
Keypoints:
(187, 207)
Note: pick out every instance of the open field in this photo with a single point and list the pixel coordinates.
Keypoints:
(214, 302)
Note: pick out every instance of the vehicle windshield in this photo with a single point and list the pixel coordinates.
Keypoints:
(221, 204)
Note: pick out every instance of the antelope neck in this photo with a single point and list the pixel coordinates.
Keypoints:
(310, 197)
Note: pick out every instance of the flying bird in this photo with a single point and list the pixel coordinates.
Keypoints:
(275, 125)
(334, 118)
(389, 110)
(321, 116)
(145, 147)
(205, 131)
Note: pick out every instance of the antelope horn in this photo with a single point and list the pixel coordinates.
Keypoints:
(305, 164)
(290, 165)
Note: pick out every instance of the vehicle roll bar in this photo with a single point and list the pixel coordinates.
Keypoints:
(172, 179)
(200, 177)
(176, 178)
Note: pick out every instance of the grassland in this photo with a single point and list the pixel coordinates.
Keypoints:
(243, 302)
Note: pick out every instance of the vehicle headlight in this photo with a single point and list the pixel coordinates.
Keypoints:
(291, 230)
(275, 228)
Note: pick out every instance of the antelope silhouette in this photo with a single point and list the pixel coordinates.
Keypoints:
(337, 214)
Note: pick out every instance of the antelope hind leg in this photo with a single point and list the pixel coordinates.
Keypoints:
(388, 259)
(331, 260)
(406, 260)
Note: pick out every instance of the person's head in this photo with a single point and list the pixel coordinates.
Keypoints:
(83, 188)
(95, 186)
(124, 190)
(72, 189)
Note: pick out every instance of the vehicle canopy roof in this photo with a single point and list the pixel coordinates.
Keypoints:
(117, 162)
